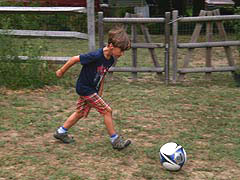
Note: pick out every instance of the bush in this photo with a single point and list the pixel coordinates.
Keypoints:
(53, 22)
(17, 73)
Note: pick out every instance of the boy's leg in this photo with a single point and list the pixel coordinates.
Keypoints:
(73, 119)
(62, 132)
(103, 108)
(109, 123)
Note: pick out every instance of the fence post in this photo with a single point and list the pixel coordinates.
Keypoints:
(100, 30)
(175, 42)
(167, 46)
(209, 37)
(134, 50)
(91, 25)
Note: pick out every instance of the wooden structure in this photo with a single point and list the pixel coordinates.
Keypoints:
(205, 17)
(134, 20)
(49, 10)
(211, 4)
(209, 17)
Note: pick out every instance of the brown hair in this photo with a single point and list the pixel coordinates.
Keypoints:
(119, 38)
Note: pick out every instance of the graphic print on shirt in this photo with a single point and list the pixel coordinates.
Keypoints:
(101, 70)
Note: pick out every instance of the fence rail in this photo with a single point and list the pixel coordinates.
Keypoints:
(42, 9)
(133, 20)
(136, 69)
(206, 69)
(35, 33)
(208, 18)
(209, 44)
(55, 59)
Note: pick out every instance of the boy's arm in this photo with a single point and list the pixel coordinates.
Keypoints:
(100, 92)
(73, 60)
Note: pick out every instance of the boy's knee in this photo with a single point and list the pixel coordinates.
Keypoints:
(108, 110)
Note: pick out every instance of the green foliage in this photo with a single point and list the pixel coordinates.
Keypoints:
(54, 22)
(18, 73)
(32, 73)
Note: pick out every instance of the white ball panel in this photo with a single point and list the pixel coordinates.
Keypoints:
(171, 167)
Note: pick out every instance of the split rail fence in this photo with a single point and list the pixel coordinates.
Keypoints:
(205, 17)
(58, 34)
(208, 17)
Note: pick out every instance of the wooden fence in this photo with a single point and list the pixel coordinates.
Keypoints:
(59, 34)
(207, 17)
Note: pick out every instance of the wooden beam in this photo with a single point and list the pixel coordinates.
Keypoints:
(134, 50)
(223, 35)
(21, 10)
(133, 20)
(209, 44)
(35, 33)
(207, 69)
(100, 29)
(147, 45)
(209, 35)
(136, 69)
(55, 59)
(167, 47)
(91, 25)
(209, 18)
(174, 45)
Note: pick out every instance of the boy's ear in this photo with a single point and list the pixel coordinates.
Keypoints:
(110, 45)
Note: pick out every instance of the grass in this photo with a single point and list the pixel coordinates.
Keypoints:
(201, 115)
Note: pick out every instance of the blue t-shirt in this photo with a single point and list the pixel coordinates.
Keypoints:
(95, 65)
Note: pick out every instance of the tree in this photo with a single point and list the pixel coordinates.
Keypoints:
(198, 5)
(179, 5)
(162, 6)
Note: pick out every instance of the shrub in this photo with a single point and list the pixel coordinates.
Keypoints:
(18, 73)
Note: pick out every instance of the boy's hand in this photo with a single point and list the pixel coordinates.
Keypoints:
(59, 73)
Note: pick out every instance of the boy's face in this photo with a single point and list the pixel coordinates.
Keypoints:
(116, 51)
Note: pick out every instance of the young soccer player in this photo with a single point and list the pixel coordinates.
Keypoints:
(89, 86)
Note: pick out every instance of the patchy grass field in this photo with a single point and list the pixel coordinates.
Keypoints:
(201, 115)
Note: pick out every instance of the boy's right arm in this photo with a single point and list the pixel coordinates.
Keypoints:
(73, 60)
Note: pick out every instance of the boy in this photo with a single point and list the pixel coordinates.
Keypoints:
(90, 86)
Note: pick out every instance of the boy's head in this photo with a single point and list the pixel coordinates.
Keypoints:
(119, 41)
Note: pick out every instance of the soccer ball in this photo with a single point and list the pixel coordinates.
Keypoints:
(172, 156)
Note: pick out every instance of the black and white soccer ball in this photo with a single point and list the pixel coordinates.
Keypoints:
(172, 156)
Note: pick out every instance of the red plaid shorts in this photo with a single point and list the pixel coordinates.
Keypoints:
(85, 103)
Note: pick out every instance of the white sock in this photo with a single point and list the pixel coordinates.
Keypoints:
(62, 130)
(113, 137)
